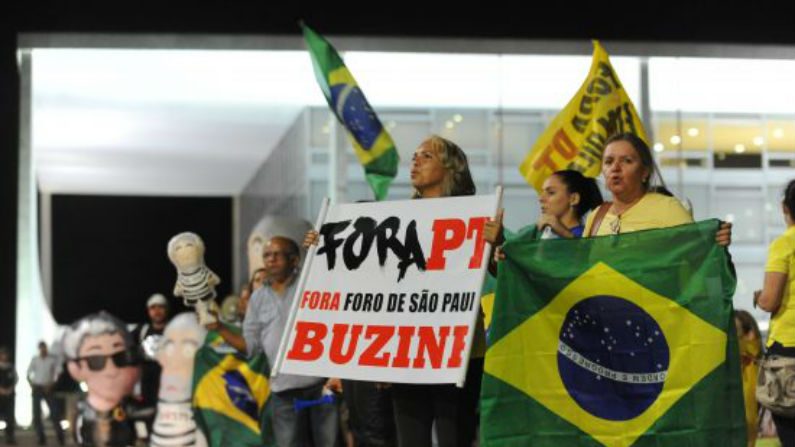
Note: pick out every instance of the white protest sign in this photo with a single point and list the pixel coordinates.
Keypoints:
(392, 292)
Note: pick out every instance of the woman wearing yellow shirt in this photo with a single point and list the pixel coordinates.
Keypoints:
(776, 297)
(628, 169)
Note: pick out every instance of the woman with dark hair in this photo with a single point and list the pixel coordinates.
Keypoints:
(566, 198)
(631, 175)
(777, 298)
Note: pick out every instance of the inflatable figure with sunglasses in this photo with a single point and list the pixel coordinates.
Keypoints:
(100, 352)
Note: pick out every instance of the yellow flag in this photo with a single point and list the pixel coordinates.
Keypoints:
(575, 138)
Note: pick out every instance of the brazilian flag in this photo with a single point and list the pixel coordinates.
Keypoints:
(230, 395)
(614, 341)
(371, 142)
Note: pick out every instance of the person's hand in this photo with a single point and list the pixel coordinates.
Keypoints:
(334, 384)
(492, 231)
(499, 255)
(214, 326)
(551, 221)
(311, 238)
(724, 235)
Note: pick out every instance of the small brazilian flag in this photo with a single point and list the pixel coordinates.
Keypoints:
(230, 395)
(371, 142)
(614, 341)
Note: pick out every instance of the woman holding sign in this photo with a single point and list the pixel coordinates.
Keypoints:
(439, 168)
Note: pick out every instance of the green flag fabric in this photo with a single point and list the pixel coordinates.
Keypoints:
(230, 395)
(371, 142)
(614, 341)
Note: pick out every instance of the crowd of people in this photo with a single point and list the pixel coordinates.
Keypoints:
(415, 415)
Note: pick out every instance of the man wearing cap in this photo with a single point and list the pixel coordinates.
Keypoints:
(147, 336)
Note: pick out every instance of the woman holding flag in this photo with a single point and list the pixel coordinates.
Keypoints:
(629, 171)
(566, 198)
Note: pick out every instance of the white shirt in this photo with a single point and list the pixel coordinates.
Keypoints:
(43, 371)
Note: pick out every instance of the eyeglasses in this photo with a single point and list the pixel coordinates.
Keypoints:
(276, 254)
(120, 359)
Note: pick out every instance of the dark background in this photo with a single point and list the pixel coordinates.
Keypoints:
(109, 252)
(761, 22)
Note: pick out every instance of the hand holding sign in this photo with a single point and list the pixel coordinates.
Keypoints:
(392, 287)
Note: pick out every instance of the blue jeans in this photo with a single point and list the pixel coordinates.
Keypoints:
(55, 414)
(293, 428)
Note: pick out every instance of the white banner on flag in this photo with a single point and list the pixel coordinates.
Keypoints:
(392, 292)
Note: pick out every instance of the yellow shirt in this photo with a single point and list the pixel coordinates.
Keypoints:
(749, 370)
(780, 259)
(652, 211)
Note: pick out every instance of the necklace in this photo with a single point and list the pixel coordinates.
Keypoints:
(615, 226)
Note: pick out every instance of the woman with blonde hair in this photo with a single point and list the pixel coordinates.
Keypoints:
(439, 168)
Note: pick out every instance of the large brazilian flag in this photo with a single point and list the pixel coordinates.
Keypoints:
(230, 395)
(371, 142)
(614, 341)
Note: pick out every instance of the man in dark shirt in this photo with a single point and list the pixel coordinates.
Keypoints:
(147, 336)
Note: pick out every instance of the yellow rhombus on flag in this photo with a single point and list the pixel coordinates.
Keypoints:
(575, 138)
(693, 355)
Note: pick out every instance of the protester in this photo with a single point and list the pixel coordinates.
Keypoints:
(630, 173)
(439, 168)
(265, 322)
(776, 297)
(148, 336)
(258, 279)
(750, 342)
(566, 197)
(42, 375)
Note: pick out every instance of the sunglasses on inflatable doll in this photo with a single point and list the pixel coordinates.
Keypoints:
(120, 359)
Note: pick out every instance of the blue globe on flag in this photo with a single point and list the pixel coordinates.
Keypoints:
(352, 108)
(612, 357)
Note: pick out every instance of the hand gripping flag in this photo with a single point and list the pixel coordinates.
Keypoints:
(614, 341)
(371, 142)
(230, 396)
(575, 138)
